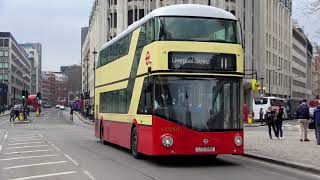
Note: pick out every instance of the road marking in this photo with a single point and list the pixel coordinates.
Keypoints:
(38, 164)
(21, 152)
(5, 136)
(45, 175)
(72, 160)
(19, 147)
(18, 140)
(1, 148)
(28, 157)
(89, 175)
(55, 147)
(40, 135)
(25, 143)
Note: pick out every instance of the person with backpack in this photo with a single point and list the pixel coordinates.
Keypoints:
(316, 116)
(278, 123)
(270, 115)
(303, 118)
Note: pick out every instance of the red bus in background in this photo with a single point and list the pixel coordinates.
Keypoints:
(33, 102)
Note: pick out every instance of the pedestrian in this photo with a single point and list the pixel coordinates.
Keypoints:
(270, 115)
(278, 123)
(13, 114)
(261, 116)
(71, 114)
(27, 111)
(316, 117)
(303, 119)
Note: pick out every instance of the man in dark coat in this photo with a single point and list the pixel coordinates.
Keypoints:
(303, 118)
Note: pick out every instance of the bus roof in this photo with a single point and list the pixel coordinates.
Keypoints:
(190, 10)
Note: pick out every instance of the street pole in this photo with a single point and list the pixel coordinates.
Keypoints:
(87, 106)
(94, 79)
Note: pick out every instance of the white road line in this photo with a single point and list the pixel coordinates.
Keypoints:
(38, 164)
(55, 147)
(19, 147)
(25, 143)
(72, 160)
(89, 175)
(1, 148)
(18, 140)
(5, 136)
(21, 152)
(40, 135)
(28, 157)
(45, 175)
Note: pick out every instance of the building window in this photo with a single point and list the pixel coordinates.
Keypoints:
(130, 17)
(1, 53)
(1, 42)
(115, 20)
(6, 53)
(6, 42)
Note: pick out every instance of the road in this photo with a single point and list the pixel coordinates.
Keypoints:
(52, 147)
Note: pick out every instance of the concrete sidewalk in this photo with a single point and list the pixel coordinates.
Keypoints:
(289, 151)
(83, 119)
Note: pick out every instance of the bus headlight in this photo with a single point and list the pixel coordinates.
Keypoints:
(238, 140)
(167, 141)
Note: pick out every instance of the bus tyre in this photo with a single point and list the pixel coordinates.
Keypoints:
(134, 143)
(101, 137)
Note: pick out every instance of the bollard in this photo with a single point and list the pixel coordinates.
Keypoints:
(21, 117)
(250, 119)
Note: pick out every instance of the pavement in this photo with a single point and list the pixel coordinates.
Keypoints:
(288, 151)
(53, 147)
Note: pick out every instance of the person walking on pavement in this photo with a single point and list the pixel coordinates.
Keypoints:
(278, 123)
(303, 118)
(261, 116)
(316, 117)
(71, 113)
(270, 115)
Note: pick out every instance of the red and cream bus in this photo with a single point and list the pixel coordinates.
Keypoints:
(171, 84)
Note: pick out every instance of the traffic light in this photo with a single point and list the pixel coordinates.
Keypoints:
(23, 95)
(39, 95)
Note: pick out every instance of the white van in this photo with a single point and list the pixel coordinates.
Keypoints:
(265, 103)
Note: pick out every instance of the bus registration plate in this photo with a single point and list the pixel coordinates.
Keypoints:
(205, 149)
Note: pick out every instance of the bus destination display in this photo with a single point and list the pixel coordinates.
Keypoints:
(202, 61)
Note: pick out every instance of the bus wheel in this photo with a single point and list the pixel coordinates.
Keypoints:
(102, 136)
(134, 143)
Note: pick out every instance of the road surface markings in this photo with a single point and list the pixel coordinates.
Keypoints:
(55, 147)
(22, 152)
(5, 136)
(89, 175)
(72, 160)
(18, 140)
(40, 135)
(38, 164)
(1, 148)
(28, 157)
(25, 143)
(45, 175)
(19, 147)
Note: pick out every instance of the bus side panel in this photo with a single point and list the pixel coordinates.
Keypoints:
(117, 133)
(145, 139)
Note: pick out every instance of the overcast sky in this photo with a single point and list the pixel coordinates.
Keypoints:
(56, 24)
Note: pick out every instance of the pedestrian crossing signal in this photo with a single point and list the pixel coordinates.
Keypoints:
(255, 85)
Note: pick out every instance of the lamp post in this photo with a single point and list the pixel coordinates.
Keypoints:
(94, 78)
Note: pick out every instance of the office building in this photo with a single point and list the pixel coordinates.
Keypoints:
(15, 67)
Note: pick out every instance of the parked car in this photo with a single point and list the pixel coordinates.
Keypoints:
(46, 106)
(62, 107)
(18, 107)
(57, 106)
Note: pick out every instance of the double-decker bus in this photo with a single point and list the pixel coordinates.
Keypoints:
(171, 84)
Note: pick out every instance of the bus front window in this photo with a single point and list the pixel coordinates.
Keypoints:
(202, 104)
(197, 29)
